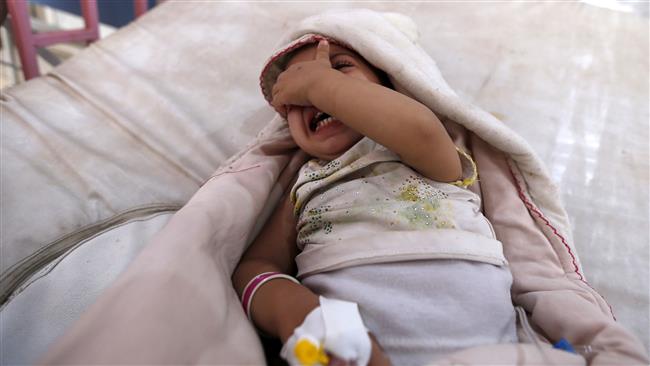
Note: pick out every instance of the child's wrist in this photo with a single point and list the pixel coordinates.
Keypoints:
(289, 321)
(294, 310)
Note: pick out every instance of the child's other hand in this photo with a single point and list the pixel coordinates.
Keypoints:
(293, 85)
(377, 357)
(335, 361)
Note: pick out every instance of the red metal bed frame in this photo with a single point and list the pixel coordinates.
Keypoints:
(27, 41)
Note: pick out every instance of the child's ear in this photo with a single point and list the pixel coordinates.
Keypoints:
(405, 24)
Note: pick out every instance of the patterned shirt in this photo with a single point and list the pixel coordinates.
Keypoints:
(368, 190)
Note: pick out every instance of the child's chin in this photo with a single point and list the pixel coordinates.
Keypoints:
(332, 149)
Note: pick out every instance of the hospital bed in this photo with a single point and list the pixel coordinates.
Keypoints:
(99, 154)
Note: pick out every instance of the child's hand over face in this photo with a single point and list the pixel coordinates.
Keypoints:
(293, 85)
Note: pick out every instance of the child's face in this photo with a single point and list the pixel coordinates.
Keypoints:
(327, 141)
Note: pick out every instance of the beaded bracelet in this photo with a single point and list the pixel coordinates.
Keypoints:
(255, 283)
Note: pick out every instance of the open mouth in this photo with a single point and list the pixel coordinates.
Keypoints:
(320, 120)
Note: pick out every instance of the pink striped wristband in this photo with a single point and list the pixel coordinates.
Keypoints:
(255, 283)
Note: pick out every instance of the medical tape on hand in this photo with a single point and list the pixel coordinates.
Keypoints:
(345, 334)
(305, 346)
(335, 327)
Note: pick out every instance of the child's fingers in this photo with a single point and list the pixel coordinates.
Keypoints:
(278, 103)
(323, 50)
(277, 106)
(281, 112)
(281, 109)
(335, 361)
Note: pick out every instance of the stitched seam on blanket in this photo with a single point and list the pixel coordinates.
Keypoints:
(230, 171)
(532, 208)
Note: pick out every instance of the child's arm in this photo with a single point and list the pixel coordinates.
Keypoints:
(280, 306)
(396, 121)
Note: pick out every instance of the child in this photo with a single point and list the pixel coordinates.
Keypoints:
(386, 193)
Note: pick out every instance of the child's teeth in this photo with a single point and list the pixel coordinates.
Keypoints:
(324, 122)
